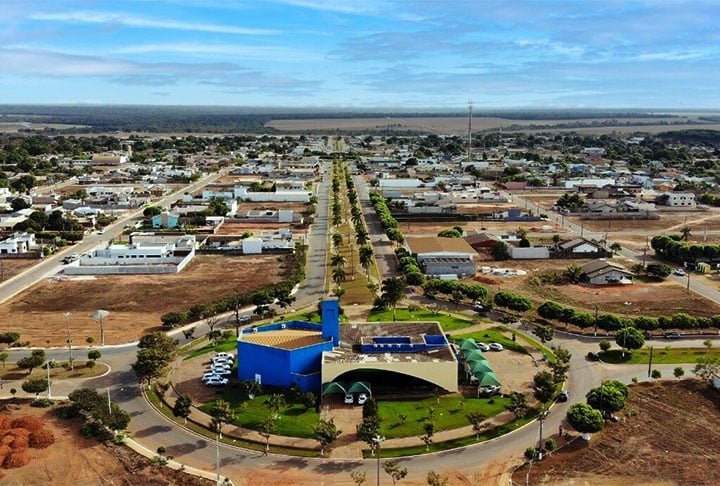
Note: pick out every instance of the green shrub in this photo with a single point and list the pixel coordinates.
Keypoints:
(656, 374)
(530, 453)
(42, 403)
(550, 445)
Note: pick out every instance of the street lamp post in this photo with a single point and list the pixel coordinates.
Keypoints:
(377, 440)
(541, 418)
(99, 316)
(69, 339)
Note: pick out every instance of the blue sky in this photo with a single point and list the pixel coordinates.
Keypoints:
(362, 54)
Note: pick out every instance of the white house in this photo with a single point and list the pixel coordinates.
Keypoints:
(280, 195)
(18, 243)
(443, 256)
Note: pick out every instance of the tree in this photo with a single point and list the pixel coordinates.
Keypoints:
(616, 248)
(326, 433)
(392, 292)
(637, 269)
(707, 366)
(585, 419)
(392, 469)
(217, 207)
(678, 371)
(35, 385)
(337, 240)
(150, 365)
(573, 272)
(275, 403)
(183, 406)
(544, 384)
(366, 256)
(337, 260)
(476, 418)
(151, 211)
(499, 251)
(708, 344)
(158, 341)
(358, 477)
(94, 354)
(220, 414)
(544, 332)
(9, 337)
(434, 479)
(604, 345)
(266, 430)
(518, 403)
(658, 270)
(3, 358)
(252, 388)
(36, 359)
(629, 338)
(561, 364)
(338, 275)
(610, 396)
(429, 428)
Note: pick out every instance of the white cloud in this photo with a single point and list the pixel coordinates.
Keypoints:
(142, 22)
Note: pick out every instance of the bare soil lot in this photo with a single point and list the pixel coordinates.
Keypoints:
(74, 460)
(658, 441)
(135, 302)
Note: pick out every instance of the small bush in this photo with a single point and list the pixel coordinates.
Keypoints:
(656, 374)
(91, 364)
(530, 453)
(95, 430)
(678, 371)
(67, 412)
(42, 403)
(550, 445)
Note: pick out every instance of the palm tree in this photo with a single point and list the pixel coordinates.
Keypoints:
(366, 256)
(573, 272)
(337, 240)
(616, 247)
(361, 236)
(339, 275)
(556, 240)
(337, 260)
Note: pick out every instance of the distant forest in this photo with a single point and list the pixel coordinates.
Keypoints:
(218, 119)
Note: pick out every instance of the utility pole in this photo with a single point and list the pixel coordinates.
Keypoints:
(376, 442)
(217, 460)
(69, 339)
(541, 418)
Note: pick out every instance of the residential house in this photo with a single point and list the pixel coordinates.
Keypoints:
(18, 243)
(605, 272)
(443, 256)
(166, 220)
(677, 199)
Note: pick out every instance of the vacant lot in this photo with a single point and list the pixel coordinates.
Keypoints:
(135, 302)
(658, 441)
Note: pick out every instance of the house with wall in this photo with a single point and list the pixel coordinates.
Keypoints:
(442, 256)
(147, 253)
(579, 248)
(166, 220)
(279, 195)
(677, 200)
(18, 243)
(605, 272)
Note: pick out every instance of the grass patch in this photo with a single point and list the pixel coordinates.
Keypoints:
(225, 345)
(12, 372)
(166, 409)
(667, 355)
(294, 420)
(447, 322)
(448, 412)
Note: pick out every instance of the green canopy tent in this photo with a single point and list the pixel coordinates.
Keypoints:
(467, 344)
(335, 387)
(474, 354)
(486, 379)
(480, 366)
(360, 387)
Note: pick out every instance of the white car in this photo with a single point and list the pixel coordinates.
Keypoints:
(221, 371)
(489, 389)
(482, 346)
(496, 346)
(216, 381)
(224, 355)
(680, 272)
(222, 361)
(208, 375)
(348, 398)
(362, 398)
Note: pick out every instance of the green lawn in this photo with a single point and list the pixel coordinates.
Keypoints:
(447, 412)
(665, 355)
(447, 322)
(225, 345)
(293, 421)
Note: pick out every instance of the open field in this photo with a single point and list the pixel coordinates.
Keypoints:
(458, 125)
(135, 302)
(656, 442)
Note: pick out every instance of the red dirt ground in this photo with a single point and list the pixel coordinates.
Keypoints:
(656, 442)
(135, 302)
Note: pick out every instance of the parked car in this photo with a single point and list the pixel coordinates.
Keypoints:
(216, 381)
(672, 335)
(680, 272)
(221, 371)
(496, 346)
(348, 398)
(362, 398)
(223, 355)
(479, 306)
(223, 361)
(482, 346)
(564, 396)
(221, 366)
(593, 356)
(209, 374)
(489, 390)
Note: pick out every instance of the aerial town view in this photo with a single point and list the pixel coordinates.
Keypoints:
(305, 242)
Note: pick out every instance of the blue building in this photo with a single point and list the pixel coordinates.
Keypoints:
(314, 356)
